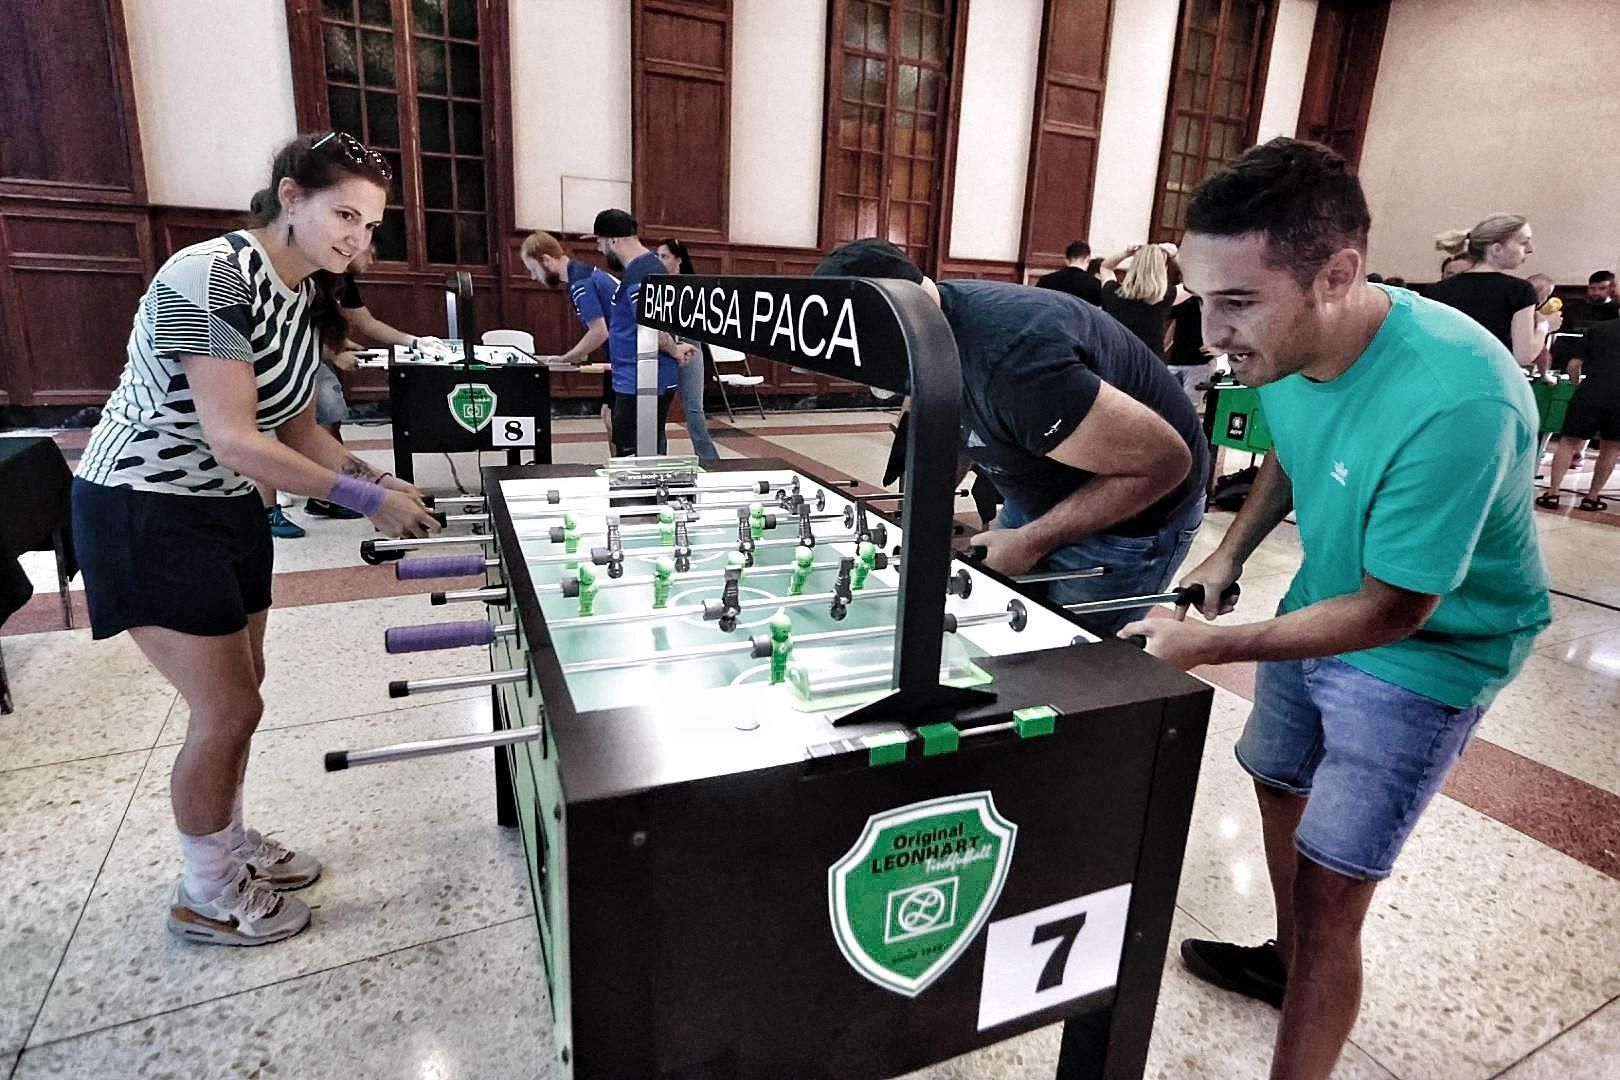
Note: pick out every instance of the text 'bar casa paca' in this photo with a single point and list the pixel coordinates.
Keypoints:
(845, 327)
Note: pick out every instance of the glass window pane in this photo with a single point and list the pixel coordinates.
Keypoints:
(464, 70)
(438, 189)
(469, 129)
(849, 174)
(871, 174)
(844, 221)
(469, 184)
(464, 20)
(441, 238)
(925, 136)
(872, 131)
(933, 40)
(866, 218)
(428, 16)
(910, 35)
(474, 247)
(902, 134)
(378, 50)
(434, 117)
(900, 178)
(929, 86)
(922, 182)
(338, 9)
(430, 77)
(382, 120)
(392, 157)
(906, 97)
(390, 236)
(877, 82)
(898, 231)
(376, 13)
(341, 63)
(877, 32)
(855, 25)
(344, 105)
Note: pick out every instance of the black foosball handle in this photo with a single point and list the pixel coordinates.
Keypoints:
(372, 557)
(1193, 595)
(337, 760)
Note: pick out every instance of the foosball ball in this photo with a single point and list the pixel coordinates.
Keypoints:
(800, 793)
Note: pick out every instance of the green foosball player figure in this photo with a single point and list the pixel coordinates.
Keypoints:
(570, 534)
(781, 645)
(666, 530)
(587, 589)
(865, 563)
(803, 557)
(663, 575)
(756, 519)
(738, 561)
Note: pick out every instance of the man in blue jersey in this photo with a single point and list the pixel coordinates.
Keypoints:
(590, 290)
(617, 240)
(1404, 440)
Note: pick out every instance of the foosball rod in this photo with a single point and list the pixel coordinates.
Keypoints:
(1189, 596)
(338, 760)
(1016, 616)
(709, 613)
(599, 556)
(819, 502)
(773, 522)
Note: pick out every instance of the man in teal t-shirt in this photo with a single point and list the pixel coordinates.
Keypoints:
(1404, 440)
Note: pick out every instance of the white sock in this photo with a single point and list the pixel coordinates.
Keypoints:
(238, 834)
(210, 865)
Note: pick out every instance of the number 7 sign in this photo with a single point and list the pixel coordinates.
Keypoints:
(1052, 955)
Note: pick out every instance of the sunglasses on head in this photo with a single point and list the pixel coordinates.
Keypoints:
(355, 151)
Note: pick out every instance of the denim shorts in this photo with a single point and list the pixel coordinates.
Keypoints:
(330, 406)
(1132, 565)
(1369, 755)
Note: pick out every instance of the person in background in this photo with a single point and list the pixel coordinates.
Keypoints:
(677, 260)
(1142, 301)
(1075, 277)
(1600, 304)
(338, 312)
(217, 395)
(1485, 292)
(1594, 413)
(1549, 317)
(1452, 265)
(1184, 352)
(590, 291)
(617, 238)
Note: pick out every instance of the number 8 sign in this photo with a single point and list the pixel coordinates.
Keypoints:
(1052, 955)
(509, 431)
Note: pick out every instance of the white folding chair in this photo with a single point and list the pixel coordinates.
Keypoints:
(720, 358)
(512, 339)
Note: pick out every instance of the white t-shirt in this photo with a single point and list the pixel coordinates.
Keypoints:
(217, 298)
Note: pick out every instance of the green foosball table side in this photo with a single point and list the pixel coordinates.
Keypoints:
(1239, 424)
(1552, 403)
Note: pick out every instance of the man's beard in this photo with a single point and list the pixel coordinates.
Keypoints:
(615, 263)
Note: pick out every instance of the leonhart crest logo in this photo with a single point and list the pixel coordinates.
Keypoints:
(918, 885)
(472, 404)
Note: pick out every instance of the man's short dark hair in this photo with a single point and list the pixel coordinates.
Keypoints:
(869, 257)
(1600, 277)
(1300, 195)
(1077, 250)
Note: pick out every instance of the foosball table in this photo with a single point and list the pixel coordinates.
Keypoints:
(801, 792)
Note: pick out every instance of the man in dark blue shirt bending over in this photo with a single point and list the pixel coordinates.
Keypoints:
(1098, 453)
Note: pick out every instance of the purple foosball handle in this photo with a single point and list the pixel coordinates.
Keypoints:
(430, 636)
(439, 566)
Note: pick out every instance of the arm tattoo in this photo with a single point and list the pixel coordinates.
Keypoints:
(353, 466)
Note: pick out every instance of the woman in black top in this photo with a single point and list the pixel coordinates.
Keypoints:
(1142, 301)
(1503, 304)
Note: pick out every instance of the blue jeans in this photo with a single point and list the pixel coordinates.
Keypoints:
(697, 425)
(1367, 754)
(1132, 565)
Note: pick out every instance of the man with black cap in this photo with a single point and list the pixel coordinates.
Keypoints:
(617, 240)
(1096, 450)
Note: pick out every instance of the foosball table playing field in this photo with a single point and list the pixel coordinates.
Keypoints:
(801, 793)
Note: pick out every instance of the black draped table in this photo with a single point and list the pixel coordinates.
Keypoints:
(35, 515)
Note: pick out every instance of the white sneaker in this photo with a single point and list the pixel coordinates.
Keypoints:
(277, 865)
(247, 912)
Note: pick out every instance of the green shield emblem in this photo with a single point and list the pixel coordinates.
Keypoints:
(918, 885)
(472, 404)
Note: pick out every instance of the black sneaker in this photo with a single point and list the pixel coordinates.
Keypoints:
(1251, 970)
(322, 508)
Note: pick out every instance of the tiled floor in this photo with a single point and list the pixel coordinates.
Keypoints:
(1490, 953)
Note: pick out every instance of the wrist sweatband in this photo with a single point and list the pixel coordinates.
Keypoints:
(361, 496)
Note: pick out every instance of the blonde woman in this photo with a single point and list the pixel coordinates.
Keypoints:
(1142, 301)
(1501, 303)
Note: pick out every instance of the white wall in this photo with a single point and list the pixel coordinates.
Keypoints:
(1487, 107)
(1140, 51)
(570, 110)
(1285, 78)
(998, 110)
(213, 93)
(778, 89)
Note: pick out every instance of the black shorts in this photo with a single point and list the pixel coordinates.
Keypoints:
(1593, 414)
(190, 563)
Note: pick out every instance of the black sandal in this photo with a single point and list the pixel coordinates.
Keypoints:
(1593, 506)
(1549, 501)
